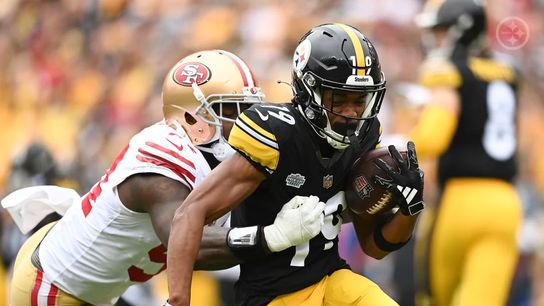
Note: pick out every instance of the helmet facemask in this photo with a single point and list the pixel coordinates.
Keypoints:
(217, 109)
(204, 92)
(327, 98)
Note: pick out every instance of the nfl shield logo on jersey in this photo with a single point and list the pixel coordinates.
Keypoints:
(362, 187)
(327, 181)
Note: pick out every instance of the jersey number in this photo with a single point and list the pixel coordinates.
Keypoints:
(156, 254)
(499, 139)
(330, 230)
(280, 113)
(90, 197)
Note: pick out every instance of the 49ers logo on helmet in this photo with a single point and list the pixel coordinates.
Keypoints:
(192, 72)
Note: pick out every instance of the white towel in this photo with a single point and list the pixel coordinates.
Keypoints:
(28, 206)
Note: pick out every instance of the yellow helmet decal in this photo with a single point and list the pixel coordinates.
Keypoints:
(359, 51)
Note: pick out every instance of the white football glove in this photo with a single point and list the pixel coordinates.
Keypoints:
(299, 220)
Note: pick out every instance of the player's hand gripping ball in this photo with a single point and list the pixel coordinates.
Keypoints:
(384, 178)
(363, 194)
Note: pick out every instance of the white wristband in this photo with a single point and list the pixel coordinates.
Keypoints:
(166, 303)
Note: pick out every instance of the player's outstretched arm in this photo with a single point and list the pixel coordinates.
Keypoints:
(226, 186)
(298, 221)
(155, 194)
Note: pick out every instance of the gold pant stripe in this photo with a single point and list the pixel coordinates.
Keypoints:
(29, 287)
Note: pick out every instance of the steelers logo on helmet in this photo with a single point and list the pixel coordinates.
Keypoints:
(190, 73)
(301, 56)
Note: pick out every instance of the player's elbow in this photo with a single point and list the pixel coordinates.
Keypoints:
(371, 249)
(375, 253)
(188, 211)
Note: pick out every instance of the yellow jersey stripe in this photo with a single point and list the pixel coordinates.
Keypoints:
(256, 127)
(259, 152)
(359, 51)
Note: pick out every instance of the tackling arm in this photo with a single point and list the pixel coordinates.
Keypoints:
(217, 194)
(161, 202)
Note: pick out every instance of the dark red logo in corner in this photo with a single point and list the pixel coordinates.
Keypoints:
(190, 73)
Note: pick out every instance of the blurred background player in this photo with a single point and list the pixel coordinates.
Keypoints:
(306, 147)
(470, 125)
(35, 165)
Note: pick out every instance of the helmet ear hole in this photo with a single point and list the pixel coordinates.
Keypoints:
(189, 118)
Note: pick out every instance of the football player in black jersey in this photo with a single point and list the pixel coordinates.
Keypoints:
(473, 247)
(306, 147)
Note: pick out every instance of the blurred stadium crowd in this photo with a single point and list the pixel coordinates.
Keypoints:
(81, 77)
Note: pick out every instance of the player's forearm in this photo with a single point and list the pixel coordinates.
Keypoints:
(183, 246)
(400, 228)
(214, 253)
(431, 141)
(387, 235)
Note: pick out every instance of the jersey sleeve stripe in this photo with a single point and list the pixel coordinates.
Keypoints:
(250, 130)
(180, 172)
(252, 148)
(161, 161)
(243, 117)
(171, 153)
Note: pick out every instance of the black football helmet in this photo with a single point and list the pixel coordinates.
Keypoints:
(340, 58)
(465, 21)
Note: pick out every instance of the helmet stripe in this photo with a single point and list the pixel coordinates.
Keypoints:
(246, 73)
(359, 51)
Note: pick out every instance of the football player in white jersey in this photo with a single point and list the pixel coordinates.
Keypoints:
(116, 235)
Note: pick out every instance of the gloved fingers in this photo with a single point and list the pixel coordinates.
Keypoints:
(412, 156)
(384, 182)
(385, 167)
(402, 164)
(316, 212)
(293, 203)
(313, 210)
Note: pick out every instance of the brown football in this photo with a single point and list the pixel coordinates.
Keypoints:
(363, 194)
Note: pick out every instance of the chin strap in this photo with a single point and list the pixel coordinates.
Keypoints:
(221, 150)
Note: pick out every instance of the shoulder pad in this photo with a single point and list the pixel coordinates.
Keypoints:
(253, 136)
(438, 72)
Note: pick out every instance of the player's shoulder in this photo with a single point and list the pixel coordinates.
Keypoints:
(493, 69)
(270, 116)
(257, 130)
(164, 148)
(164, 134)
(438, 72)
(265, 123)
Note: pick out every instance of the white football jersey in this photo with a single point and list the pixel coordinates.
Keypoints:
(100, 248)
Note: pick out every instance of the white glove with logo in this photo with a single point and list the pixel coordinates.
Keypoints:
(299, 220)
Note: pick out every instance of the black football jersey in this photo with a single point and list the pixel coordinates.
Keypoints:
(485, 141)
(276, 139)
